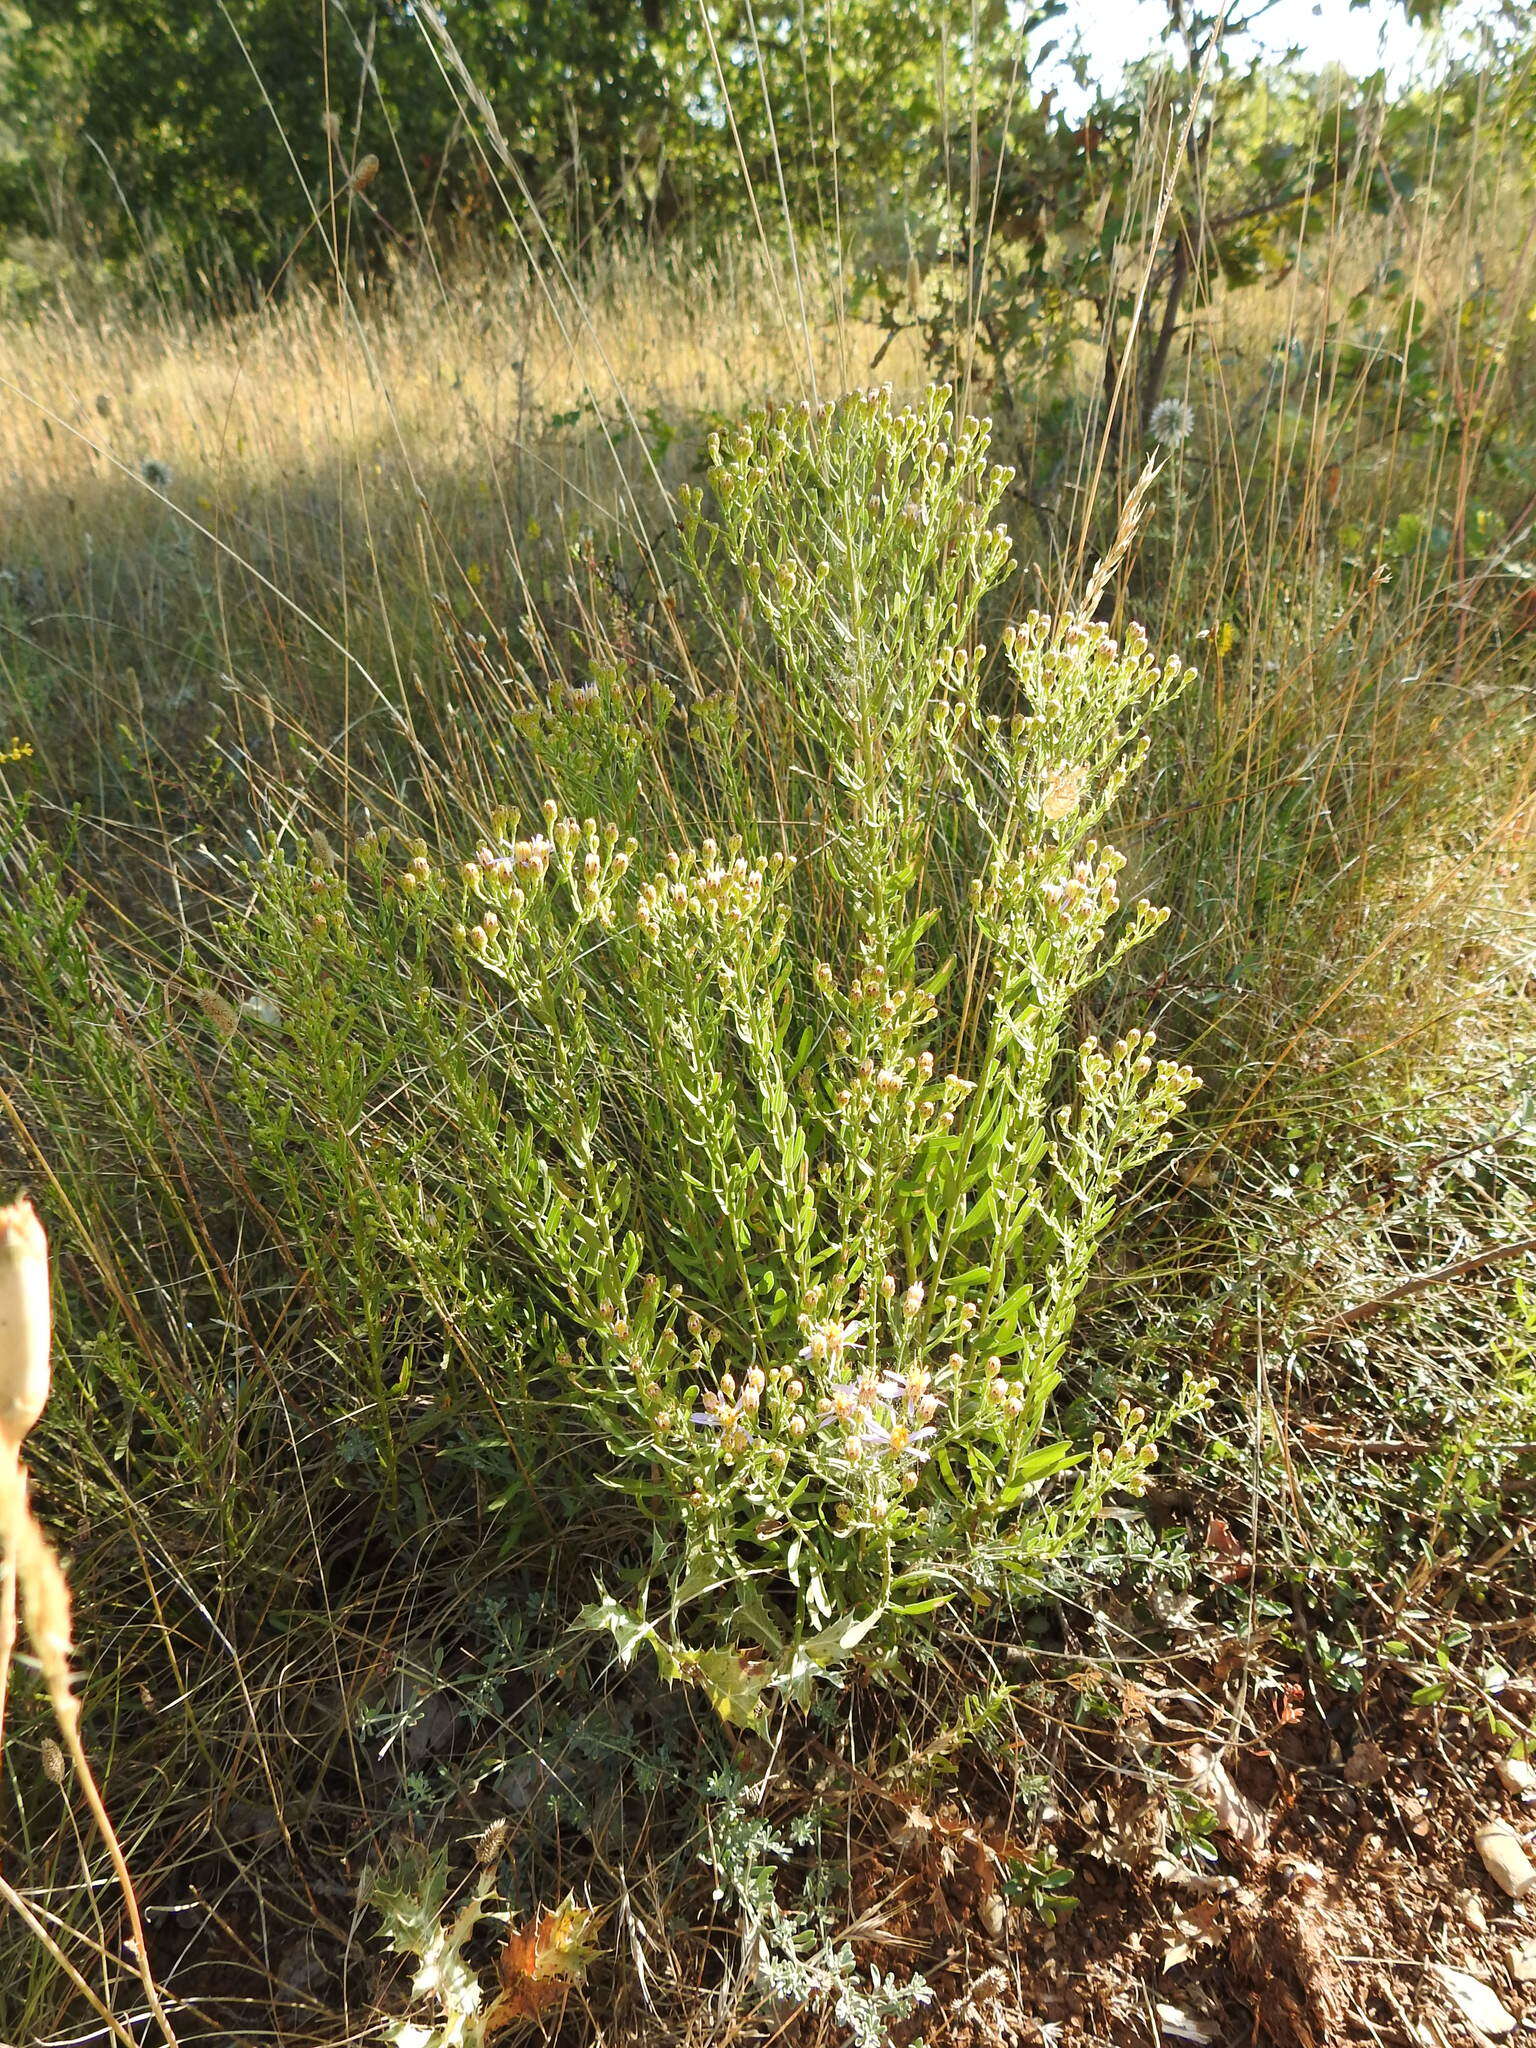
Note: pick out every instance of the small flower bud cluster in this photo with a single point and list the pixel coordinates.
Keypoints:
(903, 1075)
(1082, 683)
(1003, 1393)
(505, 870)
(706, 888)
(593, 864)
(418, 876)
(733, 1410)
(907, 1009)
(330, 904)
(1119, 1073)
(914, 470)
(522, 860)
(1090, 895)
(1128, 1462)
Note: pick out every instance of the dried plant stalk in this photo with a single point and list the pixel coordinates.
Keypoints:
(32, 1575)
(26, 1326)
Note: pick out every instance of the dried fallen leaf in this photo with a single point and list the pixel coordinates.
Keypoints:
(1220, 1540)
(1236, 1814)
(1196, 1926)
(1476, 2002)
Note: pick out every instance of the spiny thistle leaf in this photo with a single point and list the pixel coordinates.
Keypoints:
(541, 1962)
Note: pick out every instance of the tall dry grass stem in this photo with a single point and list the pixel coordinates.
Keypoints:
(33, 1578)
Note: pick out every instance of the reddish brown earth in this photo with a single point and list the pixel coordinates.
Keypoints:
(1343, 1876)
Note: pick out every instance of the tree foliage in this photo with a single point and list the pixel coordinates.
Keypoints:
(1113, 225)
(235, 130)
(239, 138)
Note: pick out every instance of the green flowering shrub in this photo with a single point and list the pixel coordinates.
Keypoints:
(767, 1159)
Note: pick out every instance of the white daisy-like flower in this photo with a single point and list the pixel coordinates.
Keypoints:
(1172, 422)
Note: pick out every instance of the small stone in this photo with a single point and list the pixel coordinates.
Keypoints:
(1476, 2002)
(1415, 1812)
(1504, 1856)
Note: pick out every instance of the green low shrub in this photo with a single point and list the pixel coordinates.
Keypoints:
(761, 1171)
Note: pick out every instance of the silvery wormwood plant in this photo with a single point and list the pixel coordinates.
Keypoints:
(772, 1154)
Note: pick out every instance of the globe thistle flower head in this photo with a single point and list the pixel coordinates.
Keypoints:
(1171, 423)
(157, 474)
